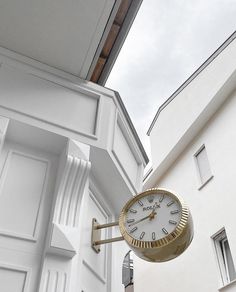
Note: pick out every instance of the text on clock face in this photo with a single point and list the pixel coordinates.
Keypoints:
(156, 205)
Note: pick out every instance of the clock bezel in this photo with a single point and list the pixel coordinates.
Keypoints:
(152, 244)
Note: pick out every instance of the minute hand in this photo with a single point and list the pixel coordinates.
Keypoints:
(140, 220)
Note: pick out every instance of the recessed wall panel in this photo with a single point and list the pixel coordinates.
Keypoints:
(12, 280)
(124, 154)
(97, 263)
(90, 280)
(45, 100)
(21, 190)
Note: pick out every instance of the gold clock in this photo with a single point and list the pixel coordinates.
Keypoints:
(157, 225)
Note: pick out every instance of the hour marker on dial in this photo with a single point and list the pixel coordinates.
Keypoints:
(130, 220)
(140, 203)
(164, 230)
(142, 235)
(161, 198)
(153, 236)
(170, 203)
(134, 229)
(174, 212)
(172, 222)
(133, 211)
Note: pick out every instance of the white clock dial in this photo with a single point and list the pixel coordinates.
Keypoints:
(157, 225)
(153, 217)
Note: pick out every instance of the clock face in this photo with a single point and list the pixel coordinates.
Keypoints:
(153, 216)
(157, 225)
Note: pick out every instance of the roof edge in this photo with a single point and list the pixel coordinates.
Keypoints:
(120, 40)
(136, 137)
(191, 78)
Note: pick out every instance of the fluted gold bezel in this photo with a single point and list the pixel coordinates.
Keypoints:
(160, 242)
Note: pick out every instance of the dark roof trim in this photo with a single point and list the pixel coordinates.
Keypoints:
(190, 79)
(136, 137)
(120, 39)
(103, 39)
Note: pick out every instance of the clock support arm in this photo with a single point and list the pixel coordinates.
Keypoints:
(96, 240)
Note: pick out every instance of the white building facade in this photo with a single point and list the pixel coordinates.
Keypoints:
(193, 141)
(69, 152)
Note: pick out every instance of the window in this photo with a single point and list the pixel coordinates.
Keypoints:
(203, 166)
(224, 257)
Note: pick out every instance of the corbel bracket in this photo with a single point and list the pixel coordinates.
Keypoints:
(96, 234)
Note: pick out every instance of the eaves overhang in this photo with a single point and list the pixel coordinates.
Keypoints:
(71, 36)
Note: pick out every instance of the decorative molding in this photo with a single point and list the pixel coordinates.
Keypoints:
(127, 138)
(64, 240)
(94, 272)
(9, 233)
(95, 202)
(34, 67)
(93, 194)
(71, 190)
(64, 235)
(131, 129)
(55, 281)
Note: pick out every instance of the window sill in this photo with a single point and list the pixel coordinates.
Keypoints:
(229, 285)
(206, 182)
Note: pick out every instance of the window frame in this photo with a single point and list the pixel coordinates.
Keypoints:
(221, 256)
(200, 180)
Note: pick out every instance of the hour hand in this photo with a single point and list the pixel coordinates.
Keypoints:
(152, 215)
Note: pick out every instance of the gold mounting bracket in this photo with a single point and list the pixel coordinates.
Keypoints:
(96, 234)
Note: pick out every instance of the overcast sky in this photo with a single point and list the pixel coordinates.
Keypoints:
(168, 41)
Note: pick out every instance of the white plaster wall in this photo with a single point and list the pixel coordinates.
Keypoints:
(212, 207)
(192, 106)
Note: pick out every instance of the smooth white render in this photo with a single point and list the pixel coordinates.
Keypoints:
(204, 112)
(63, 161)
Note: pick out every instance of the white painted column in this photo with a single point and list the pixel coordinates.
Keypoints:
(64, 236)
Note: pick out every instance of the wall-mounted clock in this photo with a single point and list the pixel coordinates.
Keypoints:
(156, 224)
